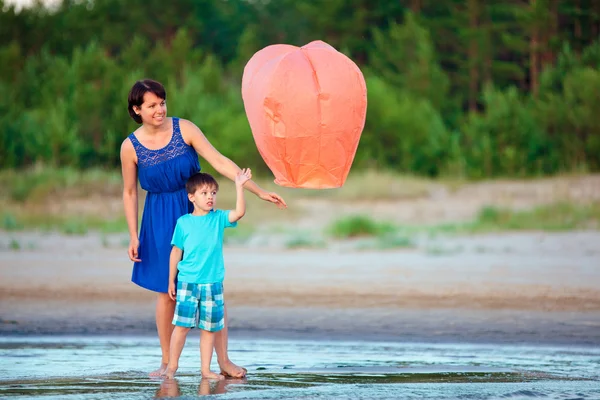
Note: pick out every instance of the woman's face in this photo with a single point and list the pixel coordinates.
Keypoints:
(153, 110)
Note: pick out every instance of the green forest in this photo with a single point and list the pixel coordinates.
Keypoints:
(456, 88)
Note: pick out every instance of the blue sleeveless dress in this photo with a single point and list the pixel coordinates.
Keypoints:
(162, 173)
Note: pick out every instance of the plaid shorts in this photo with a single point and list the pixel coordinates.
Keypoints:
(200, 305)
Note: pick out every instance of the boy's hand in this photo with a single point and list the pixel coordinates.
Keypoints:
(243, 176)
(172, 290)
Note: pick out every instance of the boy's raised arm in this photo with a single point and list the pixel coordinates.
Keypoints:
(240, 204)
(176, 254)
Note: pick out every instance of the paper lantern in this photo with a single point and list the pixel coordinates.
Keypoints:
(306, 107)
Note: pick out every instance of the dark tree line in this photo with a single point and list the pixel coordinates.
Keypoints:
(475, 88)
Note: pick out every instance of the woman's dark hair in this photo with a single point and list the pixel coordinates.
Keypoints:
(200, 179)
(136, 95)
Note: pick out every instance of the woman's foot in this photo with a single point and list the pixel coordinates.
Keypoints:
(212, 375)
(160, 371)
(230, 370)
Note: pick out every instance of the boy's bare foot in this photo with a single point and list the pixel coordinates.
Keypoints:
(170, 373)
(160, 371)
(212, 375)
(230, 370)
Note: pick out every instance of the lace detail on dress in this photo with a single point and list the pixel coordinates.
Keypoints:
(176, 147)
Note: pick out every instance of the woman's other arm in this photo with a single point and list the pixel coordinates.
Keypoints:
(223, 165)
(130, 196)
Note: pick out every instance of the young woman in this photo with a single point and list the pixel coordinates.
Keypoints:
(163, 153)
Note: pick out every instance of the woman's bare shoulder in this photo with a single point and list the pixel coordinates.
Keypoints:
(187, 124)
(127, 149)
(189, 131)
(126, 144)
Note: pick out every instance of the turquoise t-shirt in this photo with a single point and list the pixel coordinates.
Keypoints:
(201, 239)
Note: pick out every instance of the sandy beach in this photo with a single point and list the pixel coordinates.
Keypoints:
(509, 287)
(517, 287)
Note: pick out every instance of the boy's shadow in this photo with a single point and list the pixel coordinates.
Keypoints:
(170, 387)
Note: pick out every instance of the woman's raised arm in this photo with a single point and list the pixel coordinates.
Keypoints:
(223, 165)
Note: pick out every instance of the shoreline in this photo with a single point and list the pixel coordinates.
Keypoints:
(389, 325)
(564, 342)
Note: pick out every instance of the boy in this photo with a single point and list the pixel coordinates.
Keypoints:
(198, 237)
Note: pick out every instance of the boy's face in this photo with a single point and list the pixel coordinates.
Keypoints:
(204, 198)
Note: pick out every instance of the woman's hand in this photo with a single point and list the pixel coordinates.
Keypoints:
(134, 244)
(193, 136)
(273, 198)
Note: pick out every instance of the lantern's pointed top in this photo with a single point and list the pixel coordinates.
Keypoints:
(318, 44)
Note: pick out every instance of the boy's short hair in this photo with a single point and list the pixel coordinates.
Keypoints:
(198, 180)
(137, 92)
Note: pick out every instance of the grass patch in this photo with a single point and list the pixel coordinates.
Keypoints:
(436, 250)
(445, 229)
(14, 244)
(553, 217)
(74, 226)
(10, 222)
(395, 241)
(36, 184)
(548, 218)
(63, 223)
(359, 226)
(304, 242)
(31, 193)
(368, 185)
(388, 241)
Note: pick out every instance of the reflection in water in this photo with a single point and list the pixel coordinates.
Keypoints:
(168, 388)
(171, 388)
(209, 386)
(117, 367)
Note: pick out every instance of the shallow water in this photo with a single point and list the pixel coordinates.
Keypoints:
(109, 367)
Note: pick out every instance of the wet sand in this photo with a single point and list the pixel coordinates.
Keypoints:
(516, 288)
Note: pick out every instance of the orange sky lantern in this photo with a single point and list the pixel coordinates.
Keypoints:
(307, 108)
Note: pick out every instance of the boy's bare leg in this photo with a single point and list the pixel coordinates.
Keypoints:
(228, 368)
(207, 345)
(177, 343)
(165, 308)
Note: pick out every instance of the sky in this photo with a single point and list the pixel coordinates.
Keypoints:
(25, 3)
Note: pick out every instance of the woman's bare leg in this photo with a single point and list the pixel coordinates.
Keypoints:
(165, 308)
(228, 368)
